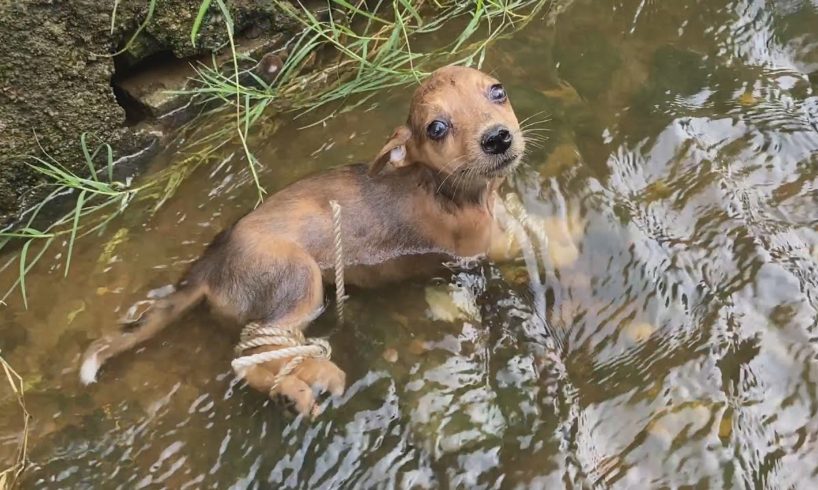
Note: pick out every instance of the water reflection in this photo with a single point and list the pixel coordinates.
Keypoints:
(678, 190)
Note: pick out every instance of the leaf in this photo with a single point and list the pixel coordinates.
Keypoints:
(227, 18)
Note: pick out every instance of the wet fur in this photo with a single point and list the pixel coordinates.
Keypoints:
(419, 203)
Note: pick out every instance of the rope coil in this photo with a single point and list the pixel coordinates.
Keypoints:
(293, 344)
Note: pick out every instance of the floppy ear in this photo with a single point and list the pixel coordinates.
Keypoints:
(393, 152)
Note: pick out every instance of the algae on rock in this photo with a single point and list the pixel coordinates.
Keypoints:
(57, 68)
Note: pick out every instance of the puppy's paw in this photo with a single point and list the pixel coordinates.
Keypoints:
(322, 375)
(311, 378)
(297, 395)
(299, 389)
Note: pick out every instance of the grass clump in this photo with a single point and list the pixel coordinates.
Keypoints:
(96, 201)
(364, 50)
(9, 475)
(371, 50)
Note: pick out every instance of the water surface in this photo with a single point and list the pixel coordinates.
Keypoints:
(679, 189)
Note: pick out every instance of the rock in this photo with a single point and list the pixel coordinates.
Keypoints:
(638, 332)
(156, 88)
(56, 73)
(451, 302)
(55, 83)
(390, 355)
(269, 67)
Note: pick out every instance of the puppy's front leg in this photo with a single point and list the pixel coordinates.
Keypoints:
(504, 246)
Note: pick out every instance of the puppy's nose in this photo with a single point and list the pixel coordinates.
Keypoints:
(496, 140)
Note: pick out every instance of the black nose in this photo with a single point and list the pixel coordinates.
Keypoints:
(496, 140)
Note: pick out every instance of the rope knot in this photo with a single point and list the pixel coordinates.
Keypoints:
(325, 351)
(292, 344)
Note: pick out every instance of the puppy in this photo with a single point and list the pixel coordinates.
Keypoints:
(426, 198)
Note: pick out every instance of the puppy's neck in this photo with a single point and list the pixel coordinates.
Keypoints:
(455, 191)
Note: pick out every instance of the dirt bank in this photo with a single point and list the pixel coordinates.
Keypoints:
(56, 70)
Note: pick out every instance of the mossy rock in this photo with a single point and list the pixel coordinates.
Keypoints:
(170, 26)
(56, 72)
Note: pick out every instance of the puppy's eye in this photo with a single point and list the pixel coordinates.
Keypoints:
(437, 129)
(497, 93)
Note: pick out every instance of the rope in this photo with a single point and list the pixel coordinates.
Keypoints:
(293, 344)
(340, 294)
(291, 341)
(513, 216)
(516, 208)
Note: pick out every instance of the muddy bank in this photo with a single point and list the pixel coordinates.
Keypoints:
(56, 76)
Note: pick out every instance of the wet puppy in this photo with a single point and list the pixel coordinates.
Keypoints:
(426, 198)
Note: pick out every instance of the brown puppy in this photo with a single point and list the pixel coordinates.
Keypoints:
(427, 197)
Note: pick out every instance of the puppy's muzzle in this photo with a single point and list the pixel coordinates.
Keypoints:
(496, 140)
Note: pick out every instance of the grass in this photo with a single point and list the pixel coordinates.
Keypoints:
(366, 50)
(96, 201)
(374, 50)
(9, 476)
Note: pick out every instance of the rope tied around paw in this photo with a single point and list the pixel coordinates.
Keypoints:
(292, 342)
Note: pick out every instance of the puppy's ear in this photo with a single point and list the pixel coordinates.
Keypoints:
(393, 152)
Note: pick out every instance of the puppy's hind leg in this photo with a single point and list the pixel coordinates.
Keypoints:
(283, 290)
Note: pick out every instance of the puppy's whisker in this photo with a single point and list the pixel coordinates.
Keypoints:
(535, 140)
(453, 162)
(536, 124)
(453, 172)
(534, 136)
(531, 116)
(465, 177)
(540, 129)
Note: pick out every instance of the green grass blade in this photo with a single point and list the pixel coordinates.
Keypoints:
(75, 225)
(89, 160)
(148, 18)
(23, 269)
(197, 22)
(113, 15)
(227, 19)
(110, 163)
(355, 10)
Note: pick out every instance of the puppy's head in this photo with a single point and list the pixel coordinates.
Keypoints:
(460, 124)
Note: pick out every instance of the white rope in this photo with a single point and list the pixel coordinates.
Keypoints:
(294, 345)
(340, 294)
(312, 348)
(513, 216)
(291, 341)
(516, 208)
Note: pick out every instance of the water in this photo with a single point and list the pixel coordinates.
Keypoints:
(679, 191)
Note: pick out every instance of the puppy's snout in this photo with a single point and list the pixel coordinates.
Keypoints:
(496, 140)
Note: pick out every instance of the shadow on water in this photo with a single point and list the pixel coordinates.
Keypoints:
(678, 187)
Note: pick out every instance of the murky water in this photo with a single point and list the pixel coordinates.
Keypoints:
(679, 191)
